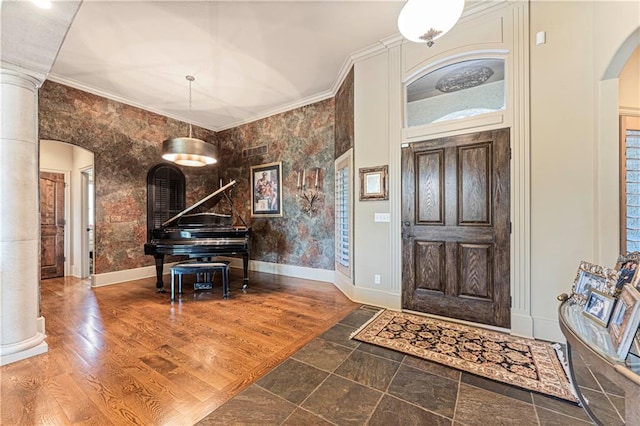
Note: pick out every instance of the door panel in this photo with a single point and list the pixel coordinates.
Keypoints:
(456, 225)
(474, 185)
(475, 270)
(51, 225)
(430, 168)
(430, 271)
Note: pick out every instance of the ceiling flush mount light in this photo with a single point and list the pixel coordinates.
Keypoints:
(424, 21)
(189, 151)
(42, 4)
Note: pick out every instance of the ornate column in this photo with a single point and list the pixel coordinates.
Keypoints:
(21, 325)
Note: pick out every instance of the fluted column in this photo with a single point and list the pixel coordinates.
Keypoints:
(21, 326)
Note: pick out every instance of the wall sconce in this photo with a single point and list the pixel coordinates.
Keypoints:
(309, 198)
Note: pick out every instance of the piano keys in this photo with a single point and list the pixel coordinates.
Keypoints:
(201, 235)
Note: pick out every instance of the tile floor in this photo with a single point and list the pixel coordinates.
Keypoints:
(337, 381)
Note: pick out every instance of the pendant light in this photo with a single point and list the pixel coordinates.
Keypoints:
(424, 21)
(189, 151)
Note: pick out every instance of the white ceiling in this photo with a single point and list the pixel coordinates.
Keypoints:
(250, 59)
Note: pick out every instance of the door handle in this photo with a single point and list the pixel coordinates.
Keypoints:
(407, 227)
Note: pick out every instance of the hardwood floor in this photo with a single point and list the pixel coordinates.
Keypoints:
(124, 354)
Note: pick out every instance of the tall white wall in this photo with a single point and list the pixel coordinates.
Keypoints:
(82, 160)
(562, 107)
(574, 145)
(629, 82)
(56, 156)
(372, 239)
(379, 84)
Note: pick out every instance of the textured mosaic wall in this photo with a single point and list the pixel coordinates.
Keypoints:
(301, 138)
(344, 116)
(126, 143)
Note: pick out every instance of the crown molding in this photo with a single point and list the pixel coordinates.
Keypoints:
(381, 46)
(37, 78)
(280, 109)
(80, 86)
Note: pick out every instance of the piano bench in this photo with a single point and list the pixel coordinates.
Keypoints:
(191, 267)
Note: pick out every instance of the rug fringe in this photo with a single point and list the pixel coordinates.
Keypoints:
(565, 366)
(377, 314)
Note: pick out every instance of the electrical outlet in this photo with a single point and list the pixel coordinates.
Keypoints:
(376, 279)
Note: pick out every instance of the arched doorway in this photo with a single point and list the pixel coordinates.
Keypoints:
(76, 166)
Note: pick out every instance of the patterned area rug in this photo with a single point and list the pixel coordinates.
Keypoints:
(526, 363)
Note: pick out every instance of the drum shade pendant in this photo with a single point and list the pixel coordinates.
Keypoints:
(424, 21)
(189, 151)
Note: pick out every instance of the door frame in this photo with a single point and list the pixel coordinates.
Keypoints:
(493, 311)
(67, 214)
(85, 262)
(515, 116)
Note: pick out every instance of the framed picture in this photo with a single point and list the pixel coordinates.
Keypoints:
(266, 190)
(599, 306)
(628, 266)
(624, 320)
(635, 347)
(374, 183)
(593, 277)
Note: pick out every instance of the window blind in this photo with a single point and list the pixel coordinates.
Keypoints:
(632, 189)
(343, 208)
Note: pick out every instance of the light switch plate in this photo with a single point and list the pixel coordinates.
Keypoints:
(382, 217)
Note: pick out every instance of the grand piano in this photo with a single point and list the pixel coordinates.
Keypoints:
(201, 235)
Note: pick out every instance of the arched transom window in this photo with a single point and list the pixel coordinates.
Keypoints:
(461, 90)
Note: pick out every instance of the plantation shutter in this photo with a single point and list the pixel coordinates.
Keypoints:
(343, 230)
(165, 194)
(632, 190)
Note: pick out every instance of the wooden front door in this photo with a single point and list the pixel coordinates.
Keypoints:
(51, 225)
(456, 226)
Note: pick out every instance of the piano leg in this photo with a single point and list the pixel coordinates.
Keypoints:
(245, 266)
(159, 267)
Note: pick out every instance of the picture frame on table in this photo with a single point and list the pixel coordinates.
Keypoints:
(628, 264)
(374, 183)
(599, 307)
(266, 190)
(593, 277)
(624, 321)
(635, 346)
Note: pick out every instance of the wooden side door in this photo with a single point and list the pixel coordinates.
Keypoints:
(51, 225)
(456, 227)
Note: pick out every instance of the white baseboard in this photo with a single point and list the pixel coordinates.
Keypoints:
(40, 324)
(286, 270)
(109, 278)
(368, 296)
(356, 294)
(75, 271)
(547, 329)
(521, 324)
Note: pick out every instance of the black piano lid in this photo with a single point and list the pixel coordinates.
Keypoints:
(219, 192)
